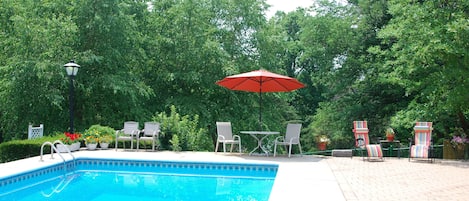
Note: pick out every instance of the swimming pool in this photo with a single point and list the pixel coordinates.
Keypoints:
(114, 179)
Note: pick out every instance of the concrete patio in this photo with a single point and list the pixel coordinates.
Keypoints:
(318, 177)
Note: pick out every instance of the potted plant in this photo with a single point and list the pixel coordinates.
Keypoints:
(459, 143)
(105, 140)
(91, 138)
(71, 141)
(323, 141)
(104, 135)
(390, 134)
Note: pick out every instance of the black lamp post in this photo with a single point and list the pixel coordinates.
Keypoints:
(72, 69)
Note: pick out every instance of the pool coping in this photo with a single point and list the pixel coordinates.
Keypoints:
(298, 177)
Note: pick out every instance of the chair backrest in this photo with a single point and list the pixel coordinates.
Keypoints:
(35, 132)
(360, 127)
(423, 133)
(360, 130)
(130, 127)
(150, 128)
(293, 132)
(224, 129)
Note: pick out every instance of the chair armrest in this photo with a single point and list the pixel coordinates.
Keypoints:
(220, 137)
(280, 139)
(236, 136)
(294, 138)
(155, 133)
(135, 133)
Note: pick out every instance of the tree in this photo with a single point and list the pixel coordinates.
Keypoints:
(35, 38)
(428, 57)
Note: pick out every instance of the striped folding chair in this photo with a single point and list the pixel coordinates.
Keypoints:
(422, 146)
(362, 141)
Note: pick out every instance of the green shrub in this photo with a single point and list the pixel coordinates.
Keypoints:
(175, 143)
(20, 149)
(101, 133)
(190, 136)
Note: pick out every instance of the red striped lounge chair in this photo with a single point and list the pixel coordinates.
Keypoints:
(362, 141)
(422, 146)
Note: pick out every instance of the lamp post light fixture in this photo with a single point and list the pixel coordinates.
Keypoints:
(72, 69)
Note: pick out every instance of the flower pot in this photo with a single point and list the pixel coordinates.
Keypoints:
(390, 138)
(104, 145)
(91, 146)
(75, 146)
(322, 146)
(62, 148)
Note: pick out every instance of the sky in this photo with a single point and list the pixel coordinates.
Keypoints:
(286, 5)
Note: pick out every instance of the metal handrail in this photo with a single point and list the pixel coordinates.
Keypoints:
(66, 148)
(53, 148)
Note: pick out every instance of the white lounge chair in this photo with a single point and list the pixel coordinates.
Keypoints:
(225, 136)
(150, 133)
(292, 137)
(130, 133)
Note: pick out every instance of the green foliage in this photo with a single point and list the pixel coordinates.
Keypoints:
(19, 149)
(175, 146)
(102, 133)
(101, 130)
(190, 136)
(388, 62)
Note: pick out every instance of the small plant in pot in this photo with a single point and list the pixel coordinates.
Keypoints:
(105, 140)
(323, 141)
(103, 134)
(91, 138)
(390, 134)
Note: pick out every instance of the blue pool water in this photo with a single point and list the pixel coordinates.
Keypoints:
(96, 180)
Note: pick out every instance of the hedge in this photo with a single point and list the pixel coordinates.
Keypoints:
(20, 149)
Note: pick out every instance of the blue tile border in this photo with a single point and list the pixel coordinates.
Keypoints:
(169, 167)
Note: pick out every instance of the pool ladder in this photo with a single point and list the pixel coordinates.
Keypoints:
(53, 148)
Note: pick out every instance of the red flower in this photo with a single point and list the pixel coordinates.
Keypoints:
(71, 137)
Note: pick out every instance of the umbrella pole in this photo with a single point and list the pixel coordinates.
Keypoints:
(260, 109)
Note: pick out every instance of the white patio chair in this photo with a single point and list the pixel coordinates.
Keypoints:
(150, 133)
(225, 136)
(292, 137)
(130, 133)
(35, 132)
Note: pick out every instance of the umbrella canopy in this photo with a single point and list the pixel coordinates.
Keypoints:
(260, 81)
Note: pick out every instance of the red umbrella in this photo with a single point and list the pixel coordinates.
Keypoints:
(260, 81)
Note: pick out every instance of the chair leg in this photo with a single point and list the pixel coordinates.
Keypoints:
(231, 147)
(216, 147)
(289, 150)
(224, 147)
(301, 152)
(239, 146)
(275, 149)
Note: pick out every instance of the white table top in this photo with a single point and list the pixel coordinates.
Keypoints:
(260, 132)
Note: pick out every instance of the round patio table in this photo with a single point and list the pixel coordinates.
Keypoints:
(257, 135)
